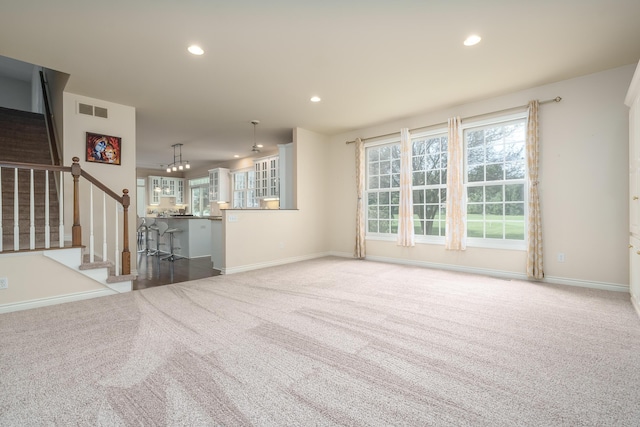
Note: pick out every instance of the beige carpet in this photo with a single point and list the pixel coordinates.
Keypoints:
(327, 342)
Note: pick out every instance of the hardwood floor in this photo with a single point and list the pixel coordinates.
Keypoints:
(152, 271)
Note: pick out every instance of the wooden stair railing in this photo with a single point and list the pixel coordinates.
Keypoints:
(76, 230)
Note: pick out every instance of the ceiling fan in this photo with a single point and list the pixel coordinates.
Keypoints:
(256, 147)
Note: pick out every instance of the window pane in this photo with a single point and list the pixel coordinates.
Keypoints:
(476, 174)
(475, 194)
(494, 211)
(418, 178)
(373, 182)
(395, 197)
(514, 210)
(493, 193)
(494, 230)
(385, 153)
(514, 170)
(514, 192)
(372, 227)
(494, 173)
(383, 198)
(385, 181)
(475, 229)
(475, 209)
(475, 138)
(475, 156)
(514, 230)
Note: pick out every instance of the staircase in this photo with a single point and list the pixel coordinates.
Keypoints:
(23, 138)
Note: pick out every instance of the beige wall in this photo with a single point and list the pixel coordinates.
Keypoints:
(122, 123)
(583, 184)
(50, 280)
(259, 238)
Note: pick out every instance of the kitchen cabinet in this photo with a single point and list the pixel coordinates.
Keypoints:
(163, 186)
(155, 189)
(180, 191)
(219, 185)
(267, 178)
(632, 100)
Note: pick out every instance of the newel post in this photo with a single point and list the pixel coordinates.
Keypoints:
(126, 255)
(76, 230)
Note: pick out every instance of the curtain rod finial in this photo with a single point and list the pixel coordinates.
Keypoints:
(557, 99)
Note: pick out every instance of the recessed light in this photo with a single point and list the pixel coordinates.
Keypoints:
(259, 145)
(236, 156)
(472, 40)
(315, 99)
(195, 49)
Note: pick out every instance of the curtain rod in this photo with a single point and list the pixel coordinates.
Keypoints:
(556, 99)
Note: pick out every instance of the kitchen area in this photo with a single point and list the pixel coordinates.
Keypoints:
(186, 207)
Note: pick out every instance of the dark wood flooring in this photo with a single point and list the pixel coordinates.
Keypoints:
(153, 271)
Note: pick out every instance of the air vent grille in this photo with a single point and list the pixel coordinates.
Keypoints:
(85, 109)
(101, 112)
(90, 110)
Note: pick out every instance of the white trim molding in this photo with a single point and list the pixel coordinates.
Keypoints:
(273, 263)
(43, 302)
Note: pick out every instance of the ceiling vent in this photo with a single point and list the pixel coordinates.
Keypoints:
(90, 110)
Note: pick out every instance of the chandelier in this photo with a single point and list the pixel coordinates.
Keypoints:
(178, 164)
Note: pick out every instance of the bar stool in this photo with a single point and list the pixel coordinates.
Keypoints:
(156, 228)
(143, 238)
(172, 256)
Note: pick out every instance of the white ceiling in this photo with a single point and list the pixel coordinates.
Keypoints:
(371, 61)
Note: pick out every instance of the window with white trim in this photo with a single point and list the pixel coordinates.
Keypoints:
(495, 179)
(383, 188)
(429, 183)
(244, 189)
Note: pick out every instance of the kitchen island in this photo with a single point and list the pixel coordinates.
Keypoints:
(192, 241)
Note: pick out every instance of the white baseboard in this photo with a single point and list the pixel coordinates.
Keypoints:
(43, 302)
(502, 274)
(273, 263)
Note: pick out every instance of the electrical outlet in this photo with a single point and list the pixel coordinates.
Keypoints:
(560, 257)
(4, 282)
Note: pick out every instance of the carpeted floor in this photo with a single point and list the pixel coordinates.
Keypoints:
(327, 342)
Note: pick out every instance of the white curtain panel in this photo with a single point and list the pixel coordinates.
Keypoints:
(534, 226)
(455, 236)
(360, 217)
(405, 217)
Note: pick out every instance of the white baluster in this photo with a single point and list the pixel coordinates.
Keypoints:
(32, 215)
(91, 246)
(104, 226)
(47, 230)
(16, 213)
(117, 250)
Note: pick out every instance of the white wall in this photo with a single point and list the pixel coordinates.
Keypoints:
(259, 238)
(583, 185)
(15, 94)
(122, 123)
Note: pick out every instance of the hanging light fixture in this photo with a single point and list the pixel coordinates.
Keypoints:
(178, 163)
(256, 147)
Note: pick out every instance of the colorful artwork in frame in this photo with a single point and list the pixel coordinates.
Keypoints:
(103, 148)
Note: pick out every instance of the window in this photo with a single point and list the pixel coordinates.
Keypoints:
(495, 180)
(244, 193)
(429, 181)
(383, 188)
(200, 196)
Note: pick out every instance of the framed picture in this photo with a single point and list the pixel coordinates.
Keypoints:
(103, 148)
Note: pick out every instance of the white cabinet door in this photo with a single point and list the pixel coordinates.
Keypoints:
(179, 191)
(219, 189)
(267, 177)
(155, 189)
